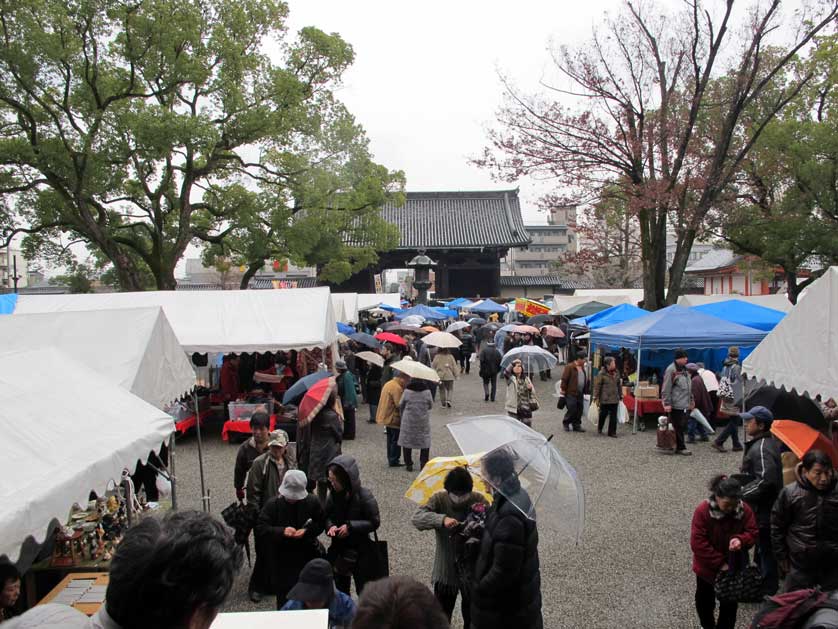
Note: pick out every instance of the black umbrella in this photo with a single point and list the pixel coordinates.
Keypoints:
(788, 405)
(541, 319)
(477, 321)
(365, 339)
(488, 330)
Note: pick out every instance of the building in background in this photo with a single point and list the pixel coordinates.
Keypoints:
(724, 272)
(698, 251)
(274, 274)
(548, 243)
(11, 262)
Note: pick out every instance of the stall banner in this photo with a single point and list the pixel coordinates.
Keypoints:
(379, 285)
(530, 308)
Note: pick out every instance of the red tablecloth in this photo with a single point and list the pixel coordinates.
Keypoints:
(242, 425)
(189, 422)
(644, 406)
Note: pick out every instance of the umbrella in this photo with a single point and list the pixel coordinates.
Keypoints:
(540, 319)
(315, 399)
(429, 329)
(365, 339)
(342, 338)
(294, 394)
(380, 312)
(801, 438)
(477, 321)
(539, 482)
(371, 357)
(586, 309)
(343, 328)
(524, 329)
(389, 337)
(413, 320)
(552, 330)
(535, 358)
(401, 328)
(432, 477)
(788, 405)
(442, 339)
(415, 369)
(457, 325)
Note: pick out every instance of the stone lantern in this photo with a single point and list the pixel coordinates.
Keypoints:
(421, 266)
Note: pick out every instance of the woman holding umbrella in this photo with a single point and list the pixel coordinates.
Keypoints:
(519, 393)
(319, 434)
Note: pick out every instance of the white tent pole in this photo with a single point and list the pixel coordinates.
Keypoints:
(172, 477)
(636, 399)
(205, 499)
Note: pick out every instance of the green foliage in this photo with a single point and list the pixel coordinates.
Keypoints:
(79, 278)
(137, 128)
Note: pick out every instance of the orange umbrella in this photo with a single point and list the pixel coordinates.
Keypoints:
(429, 328)
(801, 438)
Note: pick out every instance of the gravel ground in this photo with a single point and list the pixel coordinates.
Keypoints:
(633, 566)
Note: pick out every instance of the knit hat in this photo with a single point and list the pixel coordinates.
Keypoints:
(733, 351)
(316, 583)
(680, 353)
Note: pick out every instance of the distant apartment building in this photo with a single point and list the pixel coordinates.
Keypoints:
(271, 275)
(549, 243)
(13, 264)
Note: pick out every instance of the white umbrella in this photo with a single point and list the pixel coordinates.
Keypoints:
(380, 312)
(457, 325)
(371, 357)
(442, 339)
(415, 369)
(413, 320)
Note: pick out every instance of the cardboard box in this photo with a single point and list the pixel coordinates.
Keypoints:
(649, 391)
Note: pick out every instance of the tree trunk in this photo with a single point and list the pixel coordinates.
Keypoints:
(679, 265)
(653, 247)
(130, 279)
(252, 269)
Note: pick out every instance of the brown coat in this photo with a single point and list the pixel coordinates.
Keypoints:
(388, 404)
(570, 381)
(607, 387)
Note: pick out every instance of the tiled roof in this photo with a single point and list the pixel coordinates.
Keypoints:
(714, 259)
(443, 220)
(290, 282)
(543, 280)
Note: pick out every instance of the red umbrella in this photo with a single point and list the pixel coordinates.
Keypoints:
(315, 399)
(389, 337)
(552, 330)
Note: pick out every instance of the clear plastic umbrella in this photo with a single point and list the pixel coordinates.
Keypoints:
(457, 325)
(527, 469)
(535, 358)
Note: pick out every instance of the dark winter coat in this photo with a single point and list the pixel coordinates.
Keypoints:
(711, 533)
(288, 555)
(266, 476)
(357, 507)
(701, 397)
(507, 588)
(319, 442)
(804, 525)
(490, 359)
(606, 387)
(762, 461)
(373, 383)
(244, 459)
(468, 344)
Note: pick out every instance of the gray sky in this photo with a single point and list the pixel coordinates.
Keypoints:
(425, 85)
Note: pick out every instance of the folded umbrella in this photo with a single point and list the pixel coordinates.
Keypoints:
(457, 325)
(432, 477)
(801, 438)
(315, 399)
(442, 339)
(524, 467)
(552, 331)
(371, 357)
(297, 390)
(365, 339)
(415, 369)
(535, 359)
(389, 337)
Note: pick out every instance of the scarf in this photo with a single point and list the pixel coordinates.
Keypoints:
(522, 389)
(718, 514)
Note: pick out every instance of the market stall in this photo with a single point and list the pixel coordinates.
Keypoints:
(367, 301)
(744, 313)
(671, 328)
(776, 302)
(350, 306)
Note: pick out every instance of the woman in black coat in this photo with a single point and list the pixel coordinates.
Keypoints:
(506, 591)
(373, 390)
(289, 525)
(351, 515)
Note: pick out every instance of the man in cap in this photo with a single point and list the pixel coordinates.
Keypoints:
(316, 590)
(764, 469)
(263, 482)
(677, 398)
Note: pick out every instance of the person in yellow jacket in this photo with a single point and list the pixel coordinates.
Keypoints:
(389, 417)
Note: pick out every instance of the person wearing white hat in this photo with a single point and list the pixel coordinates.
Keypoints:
(289, 524)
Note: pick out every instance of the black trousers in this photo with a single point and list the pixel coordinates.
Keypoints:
(705, 605)
(490, 386)
(348, 423)
(573, 413)
(424, 455)
(393, 449)
(679, 421)
(608, 410)
(447, 597)
(465, 361)
(260, 577)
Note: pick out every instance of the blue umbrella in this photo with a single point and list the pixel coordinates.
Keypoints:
(345, 329)
(301, 386)
(535, 359)
(365, 339)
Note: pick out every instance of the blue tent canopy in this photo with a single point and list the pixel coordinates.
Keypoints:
(489, 306)
(426, 312)
(460, 302)
(8, 303)
(674, 327)
(389, 308)
(612, 316)
(743, 313)
(448, 313)
(345, 329)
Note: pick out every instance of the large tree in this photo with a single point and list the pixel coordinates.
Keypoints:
(134, 127)
(644, 103)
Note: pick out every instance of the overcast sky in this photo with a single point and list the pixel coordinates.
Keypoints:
(425, 84)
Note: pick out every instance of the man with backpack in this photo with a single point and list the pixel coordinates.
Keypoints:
(730, 392)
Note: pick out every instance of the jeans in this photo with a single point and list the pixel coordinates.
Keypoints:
(731, 430)
(446, 391)
(694, 427)
(447, 597)
(764, 558)
(373, 412)
(678, 418)
(393, 449)
(424, 455)
(490, 386)
(705, 605)
(608, 410)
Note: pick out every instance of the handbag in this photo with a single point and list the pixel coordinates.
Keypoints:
(378, 560)
(534, 404)
(562, 403)
(524, 411)
(666, 439)
(742, 581)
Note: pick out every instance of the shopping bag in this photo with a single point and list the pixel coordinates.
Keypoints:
(698, 416)
(666, 434)
(622, 413)
(378, 560)
(586, 404)
(741, 582)
(593, 414)
(164, 486)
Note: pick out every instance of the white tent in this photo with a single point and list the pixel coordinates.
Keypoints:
(337, 309)
(371, 300)
(777, 302)
(59, 443)
(350, 306)
(222, 320)
(634, 294)
(134, 348)
(801, 353)
(563, 302)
